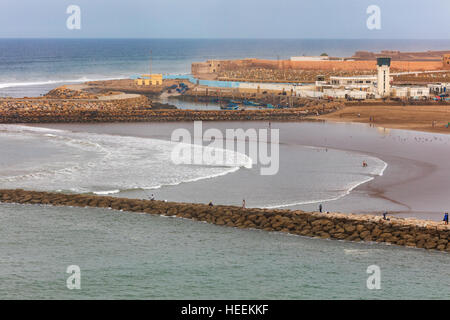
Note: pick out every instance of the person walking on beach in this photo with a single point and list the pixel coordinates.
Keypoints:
(320, 208)
(445, 218)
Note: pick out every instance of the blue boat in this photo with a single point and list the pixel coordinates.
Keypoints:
(230, 106)
(270, 106)
(250, 103)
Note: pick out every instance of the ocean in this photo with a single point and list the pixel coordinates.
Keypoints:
(31, 67)
(137, 256)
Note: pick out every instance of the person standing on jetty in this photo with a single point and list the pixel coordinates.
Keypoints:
(320, 208)
(445, 218)
(243, 203)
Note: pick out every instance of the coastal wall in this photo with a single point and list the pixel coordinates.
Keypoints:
(248, 70)
(348, 65)
(404, 232)
(401, 56)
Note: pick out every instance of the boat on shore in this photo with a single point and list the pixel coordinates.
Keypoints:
(251, 103)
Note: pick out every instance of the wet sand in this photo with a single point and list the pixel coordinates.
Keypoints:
(415, 183)
(431, 118)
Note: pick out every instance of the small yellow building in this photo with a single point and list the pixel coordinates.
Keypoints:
(150, 80)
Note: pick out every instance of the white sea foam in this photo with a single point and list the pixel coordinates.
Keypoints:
(106, 164)
(378, 169)
(106, 192)
(21, 128)
(48, 82)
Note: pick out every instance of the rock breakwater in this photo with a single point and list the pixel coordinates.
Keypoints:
(133, 110)
(404, 232)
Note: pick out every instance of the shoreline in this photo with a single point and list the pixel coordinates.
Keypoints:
(129, 108)
(405, 181)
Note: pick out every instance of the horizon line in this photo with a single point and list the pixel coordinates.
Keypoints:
(208, 38)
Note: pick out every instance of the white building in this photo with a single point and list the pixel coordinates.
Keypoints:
(335, 93)
(346, 94)
(310, 58)
(359, 82)
(415, 92)
(439, 88)
(308, 93)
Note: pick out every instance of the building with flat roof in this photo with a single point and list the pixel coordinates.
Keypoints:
(354, 82)
(413, 92)
(150, 80)
(310, 58)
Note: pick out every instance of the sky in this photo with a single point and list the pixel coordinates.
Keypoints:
(305, 19)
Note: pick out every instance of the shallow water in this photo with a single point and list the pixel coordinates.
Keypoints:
(138, 256)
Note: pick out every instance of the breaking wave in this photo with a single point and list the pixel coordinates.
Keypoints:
(102, 164)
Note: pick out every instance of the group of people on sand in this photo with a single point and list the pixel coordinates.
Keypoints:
(386, 213)
(445, 217)
(243, 204)
(321, 209)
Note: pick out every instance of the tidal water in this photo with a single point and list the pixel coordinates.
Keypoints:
(38, 158)
(138, 256)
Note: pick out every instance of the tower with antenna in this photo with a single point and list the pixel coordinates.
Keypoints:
(383, 77)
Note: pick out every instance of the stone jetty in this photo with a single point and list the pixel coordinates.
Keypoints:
(136, 109)
(84, 103)
(397, 231)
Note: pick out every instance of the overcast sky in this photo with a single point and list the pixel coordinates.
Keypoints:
(400, 19)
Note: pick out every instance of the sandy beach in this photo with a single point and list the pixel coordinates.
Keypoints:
(414, 183)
